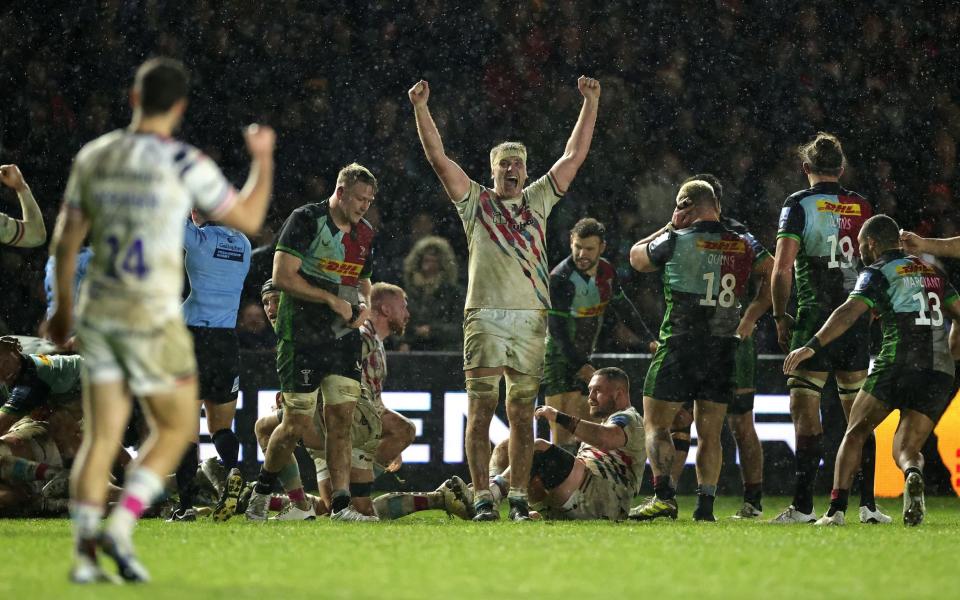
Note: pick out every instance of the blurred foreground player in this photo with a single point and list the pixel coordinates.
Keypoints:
(914, 371)
(508, 292)
(818, 233)
(131, 190)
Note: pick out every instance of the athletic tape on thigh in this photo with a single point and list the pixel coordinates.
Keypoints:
(552, 466)
(337, 389)
(299, 402)
(852, 389)
(522, 387)
(484, 388)
(802, 383)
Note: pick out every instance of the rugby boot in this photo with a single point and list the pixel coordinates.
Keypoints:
(183, 515)
(257, 506)
(654, 508)
(747, 511)
(519, 509)
(350, 514)
(836, 519)
(86, 568)
(227, 504)
(485, 511)
(457, 498)
(791, 516)
(914, 505)
(121, 551)
(215, 472)
(291, 512)
(868, 515)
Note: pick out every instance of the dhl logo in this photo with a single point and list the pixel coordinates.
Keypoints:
(338, 267)
(850, 210)
(915, 269)
(591, 311)
(726, 246)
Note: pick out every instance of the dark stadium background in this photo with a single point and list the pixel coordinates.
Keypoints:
(728, 87)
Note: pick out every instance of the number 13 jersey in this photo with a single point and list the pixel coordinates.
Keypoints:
(825, 220)
(136, 190)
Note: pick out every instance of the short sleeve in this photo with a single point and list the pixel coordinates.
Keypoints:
(759, 251)
(191, 236)
(11, 230)
(367, 271)
(544, 194)
(661, 248)
(209, 190)
(870, 287)
(792, 219)
(466, 206)
(297, 234)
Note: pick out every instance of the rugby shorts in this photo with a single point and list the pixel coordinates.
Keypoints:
(900, 388)
(688, 368)
(514, 338)
(849, 352)
(218, 363)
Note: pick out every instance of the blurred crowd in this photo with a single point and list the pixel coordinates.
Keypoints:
(728, 87)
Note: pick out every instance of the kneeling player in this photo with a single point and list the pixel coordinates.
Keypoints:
(914, 371)
(598, 483)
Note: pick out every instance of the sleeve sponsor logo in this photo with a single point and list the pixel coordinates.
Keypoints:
(840, 208)
(784, 216)
(863, 281)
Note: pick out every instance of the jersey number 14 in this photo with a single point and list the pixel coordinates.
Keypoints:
(133, 261)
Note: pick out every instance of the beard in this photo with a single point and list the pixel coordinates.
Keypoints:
(397, 327)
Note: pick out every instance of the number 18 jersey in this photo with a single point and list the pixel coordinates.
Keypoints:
(136, 190)
(825, 220)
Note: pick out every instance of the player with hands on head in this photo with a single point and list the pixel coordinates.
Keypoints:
(508, 293)
(914, 371)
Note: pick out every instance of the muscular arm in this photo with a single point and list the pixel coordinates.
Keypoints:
(761, 302)
(578, 146)
(454, 180)
(640, 258)
(914, 244)
(782, 279)
(29, 232)
(68, 236)
(287, 277)
(841, 320)
(604, 437)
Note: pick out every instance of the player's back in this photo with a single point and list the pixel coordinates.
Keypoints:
(825, 220)
(136, 189)
(217, 260)
(910, 296)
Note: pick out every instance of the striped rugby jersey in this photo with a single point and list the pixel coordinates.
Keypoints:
(373, 364)
(507, 244)
(136, 190)
(624, 466)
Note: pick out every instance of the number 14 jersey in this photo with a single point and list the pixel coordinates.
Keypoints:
(825, 220)
(136, 190)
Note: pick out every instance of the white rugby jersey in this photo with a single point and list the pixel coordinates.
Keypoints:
(136, 189)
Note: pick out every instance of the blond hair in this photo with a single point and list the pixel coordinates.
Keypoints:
(381, 291)
(356, 173)
(505, 150)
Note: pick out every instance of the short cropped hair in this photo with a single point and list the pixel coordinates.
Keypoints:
(615, 375)
(504, 149)
(712, 180)
(824, 154)
(161, 82)
(356, 173)
(700, 192)
(382, 291)
(589, 227)
(883, 230)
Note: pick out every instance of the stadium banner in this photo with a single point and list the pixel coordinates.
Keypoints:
(427, 387)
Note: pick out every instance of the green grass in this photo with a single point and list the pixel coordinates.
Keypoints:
(430, 556)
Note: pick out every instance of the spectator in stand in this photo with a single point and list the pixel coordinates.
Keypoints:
(435, 297)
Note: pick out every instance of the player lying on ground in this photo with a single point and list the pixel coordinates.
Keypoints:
(599, 482)
(33, 381)
(507, 288)
(914, 371)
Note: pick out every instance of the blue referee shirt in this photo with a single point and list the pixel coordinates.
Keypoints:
(83, 259)
(217, 259)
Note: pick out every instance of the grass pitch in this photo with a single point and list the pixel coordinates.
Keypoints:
(430, 556)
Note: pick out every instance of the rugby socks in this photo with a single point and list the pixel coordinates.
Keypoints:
(499, 486)
(278, 503)
(339, 500)
(86, 526)
(400, 504)
(753, 494)
(706, 494)
(265, 482)
(228, 447)
(143, 487)
(185, 475)
(483, 498)
(518, 497)
(663, 487)
(21, 469)
(839, 499)
(868, 461)
(809, 455)
(289, 476)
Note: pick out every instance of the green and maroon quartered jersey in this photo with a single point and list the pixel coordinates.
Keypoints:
(706, 272)
(909, 295)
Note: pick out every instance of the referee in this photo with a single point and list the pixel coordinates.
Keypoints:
(217, 259)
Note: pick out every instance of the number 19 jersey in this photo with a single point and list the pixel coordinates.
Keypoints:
(136, 190)
(825, 220)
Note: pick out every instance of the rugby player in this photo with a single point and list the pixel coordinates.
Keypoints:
(913, 372)
(322, 267)
(818, 233)
(706, 270)
(508, 293)
(29, 232)
(599, 482)
(30, 459)
(581, 287)
(131, 190)
(217, 259)
(740, 411)
(29, 382)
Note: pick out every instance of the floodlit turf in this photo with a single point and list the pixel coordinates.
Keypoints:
(431, 556)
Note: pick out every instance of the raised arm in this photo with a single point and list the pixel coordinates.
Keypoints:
(251, 207)
(578, 146)
(29, 232)
(914, 244)
(780, 286)
(69, 233)
(839, 321)
(454, 180)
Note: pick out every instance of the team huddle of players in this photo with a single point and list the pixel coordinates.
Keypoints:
(150, 204)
